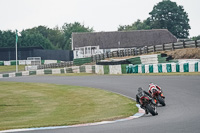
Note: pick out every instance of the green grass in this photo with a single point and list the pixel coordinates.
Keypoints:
(11, 68)
(25, 105)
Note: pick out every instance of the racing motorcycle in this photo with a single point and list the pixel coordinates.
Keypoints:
(147, 103)
(158, 96)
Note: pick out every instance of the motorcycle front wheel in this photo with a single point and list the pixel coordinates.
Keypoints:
(161, 100)
(151, 110)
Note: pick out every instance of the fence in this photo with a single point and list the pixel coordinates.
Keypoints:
(7, 54)
(56, 65)
(147, 49)
(115, 69)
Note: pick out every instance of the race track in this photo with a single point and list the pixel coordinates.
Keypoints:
(180, 115)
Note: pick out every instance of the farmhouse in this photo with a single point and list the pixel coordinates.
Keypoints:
(87, 44)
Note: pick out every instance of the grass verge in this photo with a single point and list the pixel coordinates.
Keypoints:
(25, 105)
(5, 69)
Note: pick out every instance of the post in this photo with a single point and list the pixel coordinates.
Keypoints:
(133, 52)
(195, 42)
(136, 51)
(183, 44)
(154, 48)
(16, 51)
(172, 46)
(147, 49)
(163, 47)
(140, 51)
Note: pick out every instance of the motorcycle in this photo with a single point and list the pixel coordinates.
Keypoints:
(147, 103)
(158, 96)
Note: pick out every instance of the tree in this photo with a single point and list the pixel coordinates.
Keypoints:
(196, 38)
(138, 25)
(55, 36)
(7, 38)
(168, 15)
(73, 27)
(30, 38)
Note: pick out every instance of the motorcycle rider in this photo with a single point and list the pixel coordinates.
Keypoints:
(151, 86)
(140, 90)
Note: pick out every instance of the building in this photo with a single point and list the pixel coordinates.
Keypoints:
(87, 44)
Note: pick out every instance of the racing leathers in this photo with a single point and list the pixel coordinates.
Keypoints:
(138, 100)
(151, 86)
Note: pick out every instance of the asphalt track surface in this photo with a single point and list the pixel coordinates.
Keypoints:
(180, 115)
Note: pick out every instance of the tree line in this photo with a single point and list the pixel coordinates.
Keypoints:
(165, 15)
(56, 38)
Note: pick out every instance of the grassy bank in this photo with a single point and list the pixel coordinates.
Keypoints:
(4, 69)
(24, 105)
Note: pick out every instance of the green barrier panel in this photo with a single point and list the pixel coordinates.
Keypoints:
(82, 69)
(81, 61)
(186, 67)
(177, 67)
(129, 69)
(143, 68)
(62, 71)
(32, 72)
(135, 69)
(173, 61)
(135, 60)
(1, 63)
(58, 61)
(132, 69)
(42, 62)
(93, 69)
(6, 75)
(162, 60)
(47, 71)
(160, 68)
(196, 67)
(123, 68)
(18, 74)
(69, 70)
(14, 62)
(150, 68)
(169, 67)
(106, 69)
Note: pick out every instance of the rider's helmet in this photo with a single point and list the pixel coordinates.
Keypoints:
(151, 83)
(140, 89)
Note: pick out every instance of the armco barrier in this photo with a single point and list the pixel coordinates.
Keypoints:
(164, 68)
(37, 72)
(151, 59)
(26, 62)
(115, 69)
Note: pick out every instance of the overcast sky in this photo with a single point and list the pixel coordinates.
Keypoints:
(102, 15)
